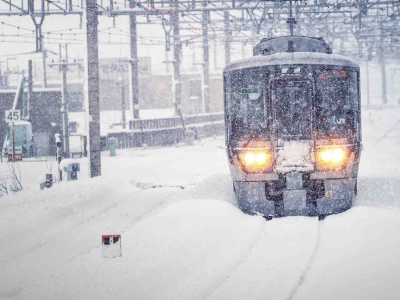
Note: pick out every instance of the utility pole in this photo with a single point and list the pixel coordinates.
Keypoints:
(177, 59)
(134, 67)
(215, 52)
(206, 61)
(64, 109)
(64, 67)
(92, 71)
(369, 56)
(38, 25)
(167, 70)
(383, 66)
(121, 83)
(44, 66)
(167, 26)
(59, 154)
(227, 32)
(367, 70)
(123, 106)
(30, 90)
(291, 21)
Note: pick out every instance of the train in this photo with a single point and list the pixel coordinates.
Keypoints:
(293, 128)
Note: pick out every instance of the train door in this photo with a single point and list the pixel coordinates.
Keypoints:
(292, 125)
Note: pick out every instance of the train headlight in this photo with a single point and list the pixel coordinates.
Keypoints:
(331, 158)
(255, 161)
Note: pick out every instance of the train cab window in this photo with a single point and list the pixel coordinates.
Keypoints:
(246, 104)
(336, 103)
(292, 108)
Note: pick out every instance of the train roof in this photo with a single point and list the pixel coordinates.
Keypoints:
(308, 58)
(293, 43)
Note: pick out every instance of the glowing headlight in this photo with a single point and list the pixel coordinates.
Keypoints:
(255, 160)
(331, 157)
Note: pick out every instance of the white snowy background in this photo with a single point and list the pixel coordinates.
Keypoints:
(183, 236)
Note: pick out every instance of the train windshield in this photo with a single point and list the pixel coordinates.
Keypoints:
(336, 103)
(246, 98)
(296, 109)
(292, 108)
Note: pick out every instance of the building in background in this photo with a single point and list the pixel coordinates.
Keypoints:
(155, 91)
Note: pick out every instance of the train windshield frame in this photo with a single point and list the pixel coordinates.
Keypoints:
(333, 94)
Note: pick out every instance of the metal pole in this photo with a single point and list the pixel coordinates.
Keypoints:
(39, 43)
(123, 117)
(297, 17)
(59, 154)
(177, 59)
(167, 62)
(291, 21)
(92, 70)
(215, 55)
(44, 56)
(13, 142)
(134, 69)
(38, 26)
(206, 62)
(66, 52)
(383, 68)
(227, 39)
(60, 54)
(367, 69)
(64, 110)
(383, 71)
(30, 90)
(291, 17)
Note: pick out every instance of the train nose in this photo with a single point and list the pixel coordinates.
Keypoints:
(294, 156)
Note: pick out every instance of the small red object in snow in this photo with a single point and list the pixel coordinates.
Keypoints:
(111, 245)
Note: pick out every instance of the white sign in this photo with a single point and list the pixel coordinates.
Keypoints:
(13, 115)
(18, 150)
(111, 245)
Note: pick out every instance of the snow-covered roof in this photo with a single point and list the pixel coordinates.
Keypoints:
(292, 43)
(311, 58)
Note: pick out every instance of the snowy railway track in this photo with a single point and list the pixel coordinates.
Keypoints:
(234, 266)
(280, 261)
(302, 277)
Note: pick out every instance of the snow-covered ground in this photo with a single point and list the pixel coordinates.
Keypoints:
(184, 238)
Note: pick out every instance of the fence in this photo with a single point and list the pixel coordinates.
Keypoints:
(167, 131)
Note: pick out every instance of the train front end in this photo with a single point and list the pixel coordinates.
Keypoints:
(293, 133)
